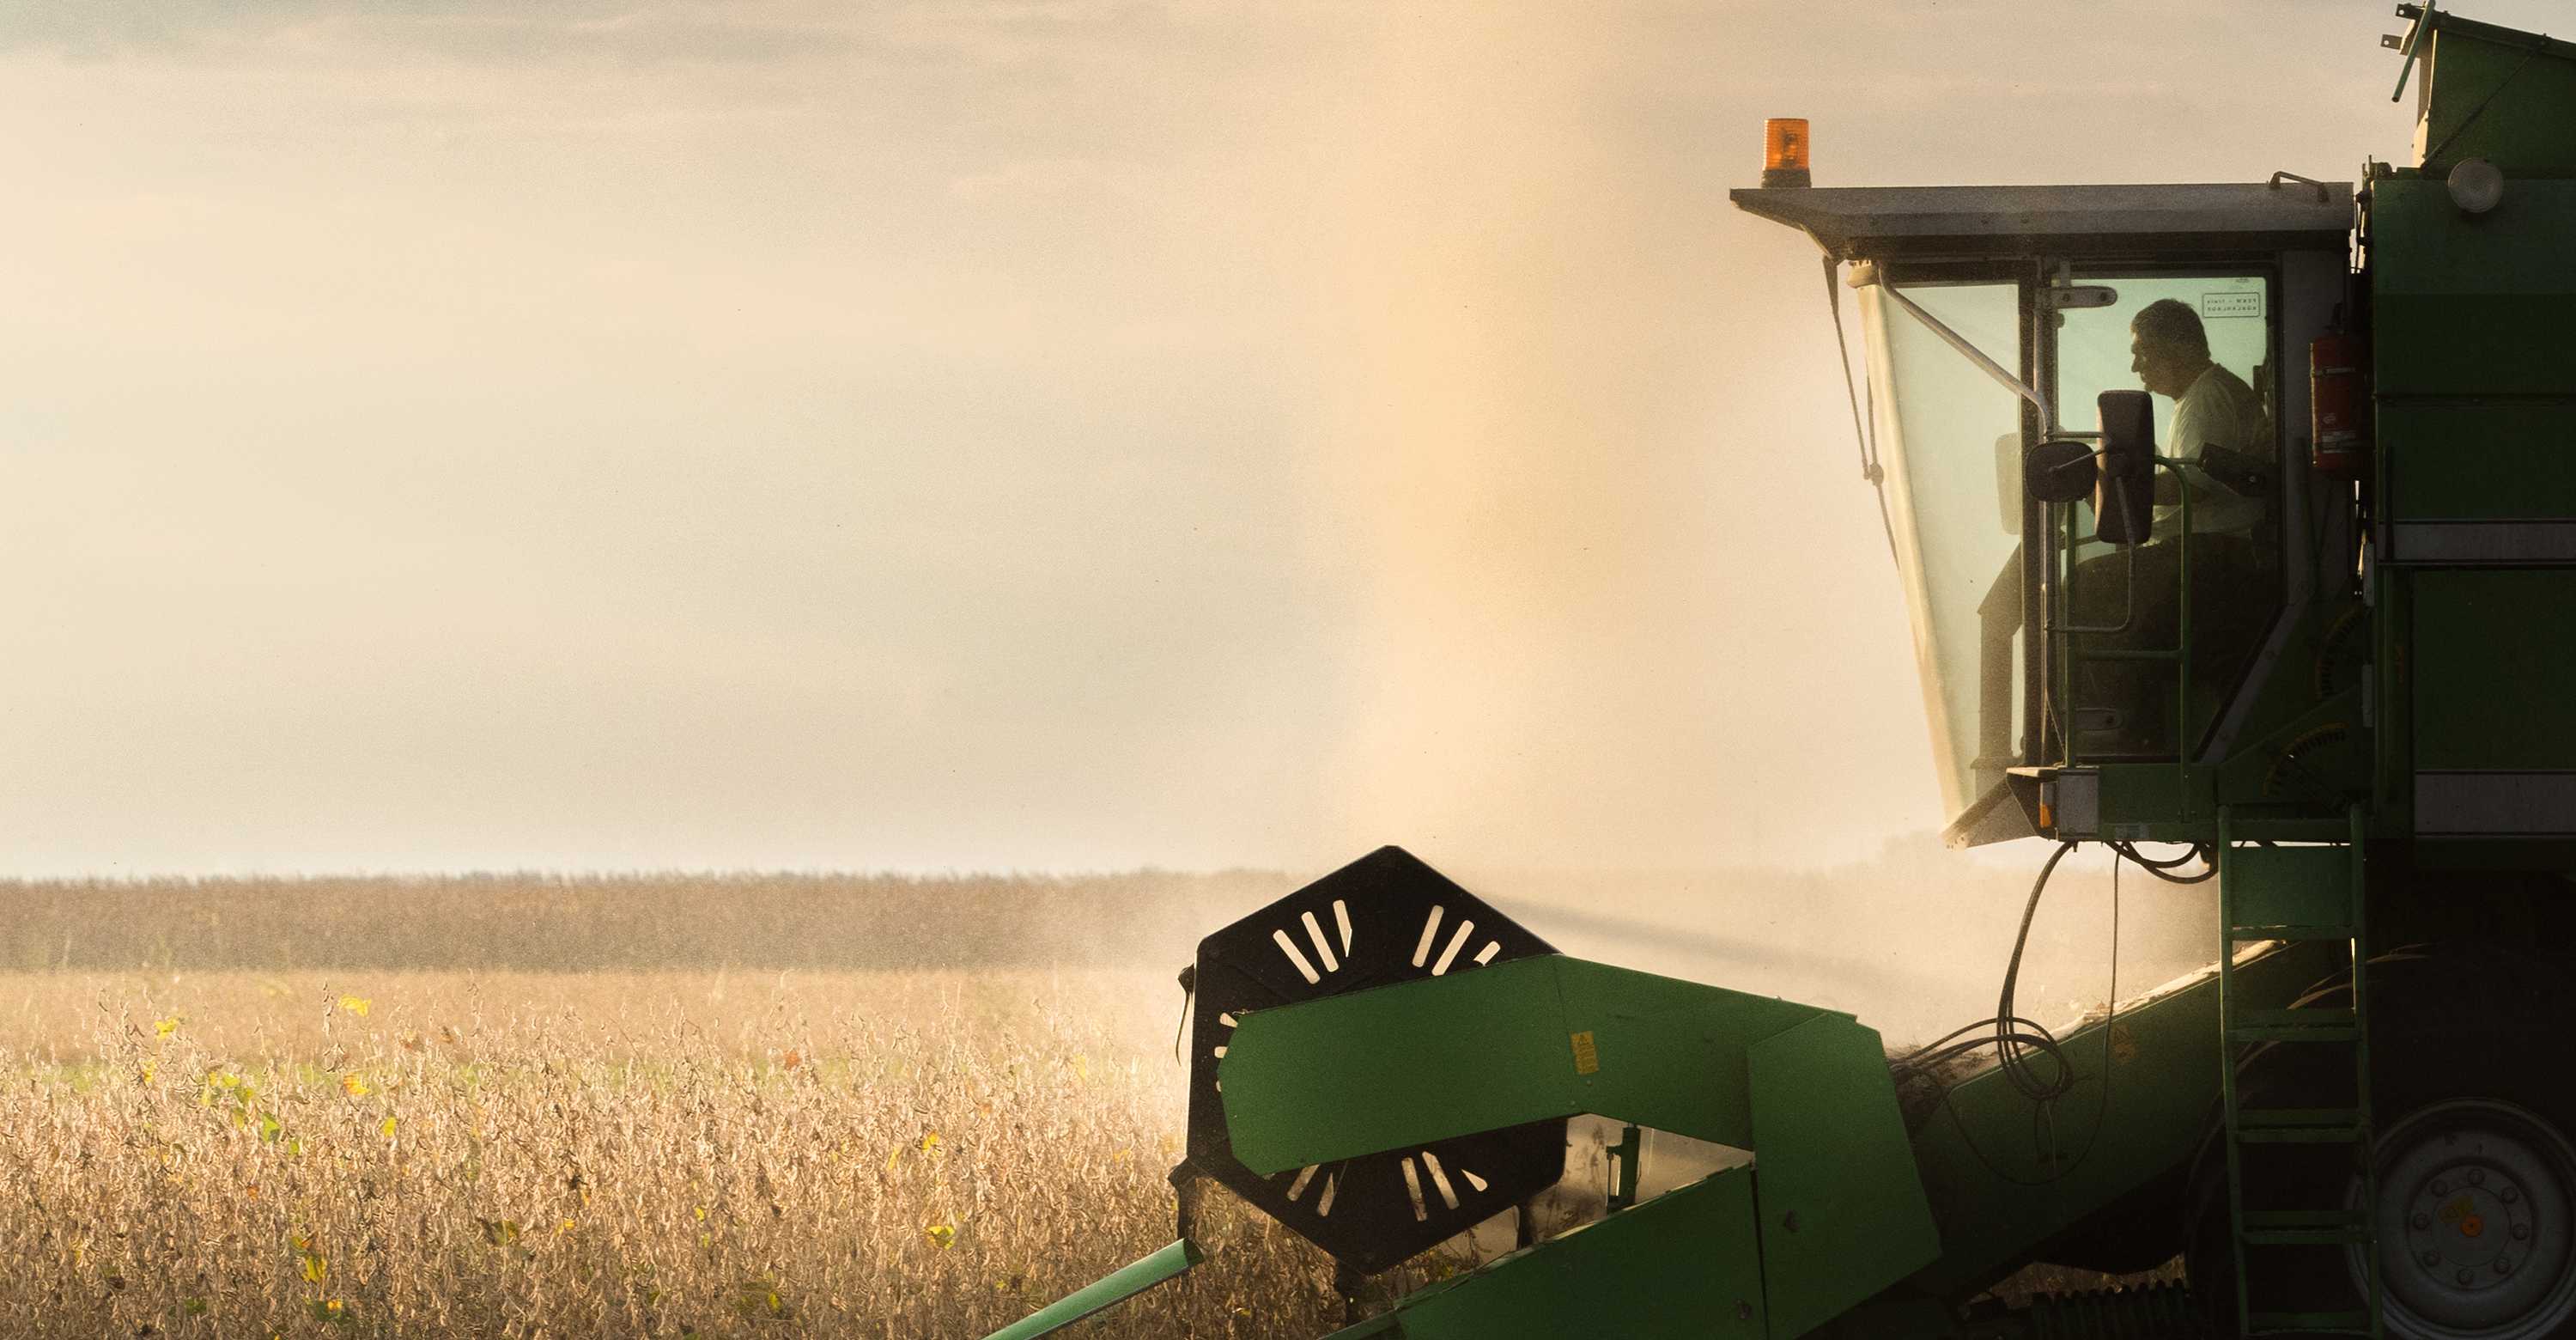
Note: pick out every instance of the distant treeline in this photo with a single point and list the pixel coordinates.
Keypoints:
(550, 923)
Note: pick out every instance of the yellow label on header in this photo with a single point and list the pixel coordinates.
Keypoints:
(1587, 1058)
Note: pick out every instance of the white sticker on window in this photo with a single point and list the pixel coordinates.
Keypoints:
(2243, 302)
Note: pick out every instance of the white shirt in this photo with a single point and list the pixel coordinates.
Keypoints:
(2218, 410)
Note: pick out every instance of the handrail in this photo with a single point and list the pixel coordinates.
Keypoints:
(2179, 654)
(2182, 629)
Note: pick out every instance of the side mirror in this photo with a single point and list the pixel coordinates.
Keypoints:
(2124, 501)
(2059, 472)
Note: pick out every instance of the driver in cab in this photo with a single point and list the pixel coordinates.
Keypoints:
(2218, 425)
(2221, 434)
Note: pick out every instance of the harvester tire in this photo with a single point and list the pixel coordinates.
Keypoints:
(2474, 1124)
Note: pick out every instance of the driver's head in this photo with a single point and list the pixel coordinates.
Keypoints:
(2167, 347)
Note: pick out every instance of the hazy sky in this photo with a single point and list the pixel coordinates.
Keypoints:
(473, 433)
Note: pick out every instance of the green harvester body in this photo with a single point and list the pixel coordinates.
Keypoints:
(2368, 731)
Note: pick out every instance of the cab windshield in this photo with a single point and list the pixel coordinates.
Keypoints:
(2144, 666)
(1949, 435)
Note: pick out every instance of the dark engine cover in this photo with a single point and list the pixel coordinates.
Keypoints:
(1381, 919)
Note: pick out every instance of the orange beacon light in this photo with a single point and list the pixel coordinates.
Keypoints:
(1784, 151)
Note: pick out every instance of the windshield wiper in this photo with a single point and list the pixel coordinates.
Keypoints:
(1866, 274)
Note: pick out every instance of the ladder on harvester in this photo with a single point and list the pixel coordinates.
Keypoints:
(2297, 894)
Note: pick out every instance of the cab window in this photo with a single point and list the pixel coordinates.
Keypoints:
(2200, 345)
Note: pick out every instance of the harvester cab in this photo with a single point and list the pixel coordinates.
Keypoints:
(2002, 321)
(2238, 516)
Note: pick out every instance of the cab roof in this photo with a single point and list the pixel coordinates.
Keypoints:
(1883, 222)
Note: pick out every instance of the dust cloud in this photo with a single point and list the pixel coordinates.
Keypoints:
(1613, 617)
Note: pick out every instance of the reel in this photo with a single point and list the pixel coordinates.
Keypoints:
(1382, 919)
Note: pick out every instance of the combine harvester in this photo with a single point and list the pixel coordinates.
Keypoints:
(2327, 642)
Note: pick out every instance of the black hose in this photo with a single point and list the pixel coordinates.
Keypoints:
(2012, 1037)
(2159, 869)
(2130, 850)
(2010, 1047)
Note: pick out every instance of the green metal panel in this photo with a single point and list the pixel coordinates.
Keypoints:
(2482, 853)
(2138, 796)
(1843, 1213)
(2281, 887)
(2494, 651)
(2498, 94)
(1683, 1266)
(1118, 1288)
(1407, 1064)
(1806, 1089)
(2393, 743)
(2312, 759)
(2472, 304)
(2480, 460)
(2286, 752)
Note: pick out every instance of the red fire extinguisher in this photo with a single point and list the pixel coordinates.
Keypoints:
(2338, 444)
